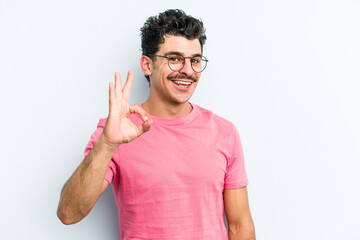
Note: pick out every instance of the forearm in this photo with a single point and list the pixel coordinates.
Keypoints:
(242, 232)
(82, 190)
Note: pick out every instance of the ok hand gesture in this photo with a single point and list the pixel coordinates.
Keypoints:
(119, 128)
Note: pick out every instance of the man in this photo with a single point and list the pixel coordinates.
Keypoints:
(174, 166)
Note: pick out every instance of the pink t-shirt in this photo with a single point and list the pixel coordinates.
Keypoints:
(168, 183)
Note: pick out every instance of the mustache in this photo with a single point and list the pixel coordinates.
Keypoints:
(179, 76)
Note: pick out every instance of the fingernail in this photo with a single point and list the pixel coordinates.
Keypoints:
(146, 118)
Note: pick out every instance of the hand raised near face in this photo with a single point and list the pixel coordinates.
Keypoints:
(119, 128)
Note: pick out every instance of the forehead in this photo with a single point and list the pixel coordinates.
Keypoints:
(180, 44)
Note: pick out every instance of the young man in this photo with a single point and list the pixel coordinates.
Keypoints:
(174, 166)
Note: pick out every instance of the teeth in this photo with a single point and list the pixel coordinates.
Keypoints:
(181, 82)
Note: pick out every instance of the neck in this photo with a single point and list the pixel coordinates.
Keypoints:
(167, 109)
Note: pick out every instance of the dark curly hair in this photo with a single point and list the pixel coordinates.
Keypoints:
(171, 22)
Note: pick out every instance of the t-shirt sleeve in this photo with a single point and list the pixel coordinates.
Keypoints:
(112, 170)
(235, 176)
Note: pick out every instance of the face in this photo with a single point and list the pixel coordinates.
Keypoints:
(162, 77)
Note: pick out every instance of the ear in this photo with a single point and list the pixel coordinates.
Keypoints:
(146, 65)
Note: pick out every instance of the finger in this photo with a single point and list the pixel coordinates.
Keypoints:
(111, 94)
(145, 126)
(118, 84)
(128, 85)
(137, 109)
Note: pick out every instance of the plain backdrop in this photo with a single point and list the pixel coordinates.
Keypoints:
(286, 73)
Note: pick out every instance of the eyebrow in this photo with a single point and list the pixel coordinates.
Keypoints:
(179, 53)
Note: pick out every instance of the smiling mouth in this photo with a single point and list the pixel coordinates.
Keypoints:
(182, 83)
(185, 85)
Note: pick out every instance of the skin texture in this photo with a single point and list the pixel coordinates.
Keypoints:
(240, 223)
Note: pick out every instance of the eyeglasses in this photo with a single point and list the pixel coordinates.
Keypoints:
(176, 62)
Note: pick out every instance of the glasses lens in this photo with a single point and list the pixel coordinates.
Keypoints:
(176, 62)
(198, 64)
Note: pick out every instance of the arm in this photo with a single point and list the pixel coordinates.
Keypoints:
(240, 223)
(87, 183)
(85, 186)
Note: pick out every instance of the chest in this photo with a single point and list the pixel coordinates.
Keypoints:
(172, 161)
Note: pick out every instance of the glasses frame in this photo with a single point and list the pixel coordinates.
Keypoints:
(168, 58)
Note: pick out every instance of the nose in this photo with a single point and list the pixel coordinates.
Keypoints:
(187, 69)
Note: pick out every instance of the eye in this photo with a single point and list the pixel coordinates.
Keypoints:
(175, 58)
(195, 60)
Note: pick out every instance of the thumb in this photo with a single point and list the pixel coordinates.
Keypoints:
(145, 126)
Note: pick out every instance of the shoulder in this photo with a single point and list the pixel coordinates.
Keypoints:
(225, 125)
(101, 123)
